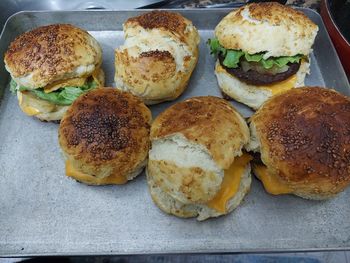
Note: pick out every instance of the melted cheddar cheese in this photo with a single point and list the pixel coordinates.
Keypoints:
(275, 88)
(281, 86)
(31, 105)
(64, 83)
(271, 184)
(74, 82)
(30, 111)
(80, 176)
(230, 184)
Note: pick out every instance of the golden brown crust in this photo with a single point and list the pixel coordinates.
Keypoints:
(304, 138)
(153, 66)
(106, 130)
(275, 13)
(209, 121)
(52, 52)
(172, 22)
(158, 57)
(153, 76)
(268, 27)
(191, 190)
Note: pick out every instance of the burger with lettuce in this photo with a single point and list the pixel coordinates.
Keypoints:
(262, 49)
(51, 66)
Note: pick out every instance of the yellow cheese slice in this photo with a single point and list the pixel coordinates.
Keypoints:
(281, 86)
(276, 88)
(19, 97)
(31, 105)
(30, 111)
(98, 77)
(80, 176)
(230, 184)
(64, 83)
(271, 184)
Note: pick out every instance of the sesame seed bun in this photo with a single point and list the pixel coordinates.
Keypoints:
(104, 133)
(51, 53)
(158, 57)
(303, 136)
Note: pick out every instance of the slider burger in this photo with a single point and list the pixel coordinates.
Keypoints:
(158, 56)
(262, 49)
(104, 137)
(51, 66)
(197, 165)
(303, 137)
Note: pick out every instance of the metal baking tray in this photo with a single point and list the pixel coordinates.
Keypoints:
(42, 212)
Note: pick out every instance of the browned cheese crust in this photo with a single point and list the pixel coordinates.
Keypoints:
(51, 52)
(274, 13)
(305, 140)
(258, 27)
(209, 121)
(158, 56)
(172, 22)
(106, 130)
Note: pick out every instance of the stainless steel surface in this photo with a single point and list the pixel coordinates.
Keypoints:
(9, 7)
(42, 212)
(239, 4)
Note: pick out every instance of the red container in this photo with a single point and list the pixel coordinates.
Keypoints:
(341, 44)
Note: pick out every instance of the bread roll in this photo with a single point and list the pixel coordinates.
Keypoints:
(104, 137)
(303, 139)
(158, 56)
(273, 28)
(51, 53)
(194, 144)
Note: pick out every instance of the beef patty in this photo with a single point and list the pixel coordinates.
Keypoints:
(253, 77)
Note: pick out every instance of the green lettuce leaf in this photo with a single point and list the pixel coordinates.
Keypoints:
(215, 47)
(13, 86)
(63, 96)
(232, 57)
(267, 63)
(282, 61)
(55, 97)
(253, 58)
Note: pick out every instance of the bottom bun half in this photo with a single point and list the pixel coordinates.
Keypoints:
(255, 96)
(41, 109)
(170, 205)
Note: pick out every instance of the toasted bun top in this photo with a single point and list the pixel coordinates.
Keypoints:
(162, 20)
(50, 53)
(304, 136)
(268, 27)
(209, 121)
(158, 56)
(106, 127)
